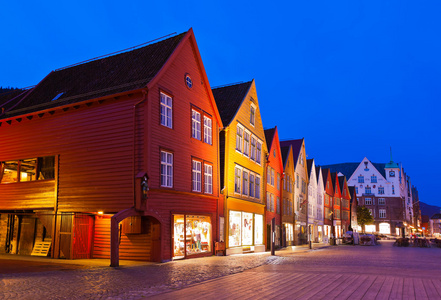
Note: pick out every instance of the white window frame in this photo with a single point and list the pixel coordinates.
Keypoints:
(257, 184)
(381, 201)
(166, 110)
(246, 143)
(252, 191)
(366, 200)
(253, 148)
(208, 178)
(196, 175)
(237, 180)
(196, 124)
(239, 138)
(166, 169)
(259, 152)
(382, 213)
(208, 130)
(245, 182)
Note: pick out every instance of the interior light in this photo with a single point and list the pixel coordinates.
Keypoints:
(100, 213)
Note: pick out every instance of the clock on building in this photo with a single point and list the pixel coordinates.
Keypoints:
(392, 173)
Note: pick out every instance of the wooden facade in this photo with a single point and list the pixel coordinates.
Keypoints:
(328, 204)
(274, 175)
(345, 204)
(243, 150)
(106, 144)
(337, 205)
(288, 212)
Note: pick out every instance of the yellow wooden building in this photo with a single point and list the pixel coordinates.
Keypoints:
(243, 153)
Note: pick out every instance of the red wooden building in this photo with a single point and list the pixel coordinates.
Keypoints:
(329, 230)
(345, 204)
(116, 157)
(337, 205)
(274, 173)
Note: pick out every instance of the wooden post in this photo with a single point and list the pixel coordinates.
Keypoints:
(114, 242)
(273, 236)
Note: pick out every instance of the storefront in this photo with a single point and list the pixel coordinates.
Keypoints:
(384, 228)
(245, 232)
(289, 233)
(192, 236)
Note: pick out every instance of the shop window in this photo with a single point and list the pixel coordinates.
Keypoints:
(192, 235)
(247, 229)
(235, 227)
(258, 229)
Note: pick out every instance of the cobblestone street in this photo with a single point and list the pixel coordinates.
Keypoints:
(333, 272)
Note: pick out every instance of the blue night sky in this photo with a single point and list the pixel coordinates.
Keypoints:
(351, 77)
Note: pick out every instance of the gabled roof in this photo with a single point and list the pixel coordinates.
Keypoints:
(285, 154)
(352, 193)
(296, 147)
(348, 169)
(269, 135)
(115, 74)
(317, 171)
(229, 99)
(436, 216)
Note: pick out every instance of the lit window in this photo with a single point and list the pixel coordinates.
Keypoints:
(239, 139)
(208, 178)
(197, 176)
(252, 115)
(195, 124)
(166, 169)
(166, 110)
(208, 130)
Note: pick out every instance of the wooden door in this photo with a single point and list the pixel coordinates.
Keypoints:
(156, 241)
(82, 239)
(65, 240)
(27, 235)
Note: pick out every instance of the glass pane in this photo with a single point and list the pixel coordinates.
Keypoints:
(234, 229)
(198, 229)
(247, 229)
(178, 237)
(258, 230)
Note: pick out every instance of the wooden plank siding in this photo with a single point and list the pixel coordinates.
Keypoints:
(27, 195)
(95, 148)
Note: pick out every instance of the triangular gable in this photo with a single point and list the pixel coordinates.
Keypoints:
(366, 166)
(337, 190)
(274, 144)
(297, 146)
(344, 187)
(327, 181)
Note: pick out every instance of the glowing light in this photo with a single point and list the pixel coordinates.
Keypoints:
(100, 213)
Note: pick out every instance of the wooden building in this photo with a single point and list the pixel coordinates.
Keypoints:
(288, 220)
(114, 158)
(274, 174)
(243, 153)
(328, 221)
(337, 205)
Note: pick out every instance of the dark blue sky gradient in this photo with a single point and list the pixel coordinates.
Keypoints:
(352, 77)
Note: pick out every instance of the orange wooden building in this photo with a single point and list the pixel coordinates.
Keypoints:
(114, 158)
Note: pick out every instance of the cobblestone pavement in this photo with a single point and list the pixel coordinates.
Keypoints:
(248, 272)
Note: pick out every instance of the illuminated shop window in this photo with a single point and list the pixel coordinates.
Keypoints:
(192, 235)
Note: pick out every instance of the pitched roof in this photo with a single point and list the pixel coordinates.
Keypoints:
(348, 169)
(269, 135)
(436, 216)
(341, 181)
(285, 152)
(352, 193)
(296, 147)
(317, 171)
(115, 74)
(229, 98)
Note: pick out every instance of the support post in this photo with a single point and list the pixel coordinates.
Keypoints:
(273, 236)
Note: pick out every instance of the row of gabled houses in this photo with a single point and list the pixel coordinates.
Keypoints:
(135, 156)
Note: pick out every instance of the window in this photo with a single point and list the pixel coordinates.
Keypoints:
(252, 115)
(237, 173)
(278, 181)
(197, 176)
(272, 176)
(278, 205)
(337, 213)
(32, 169)
(252, 187)
(373, 179)
(356, 189)
(268, 201)
(239, 139)
(166, 169)
(372, 212)
(208, 130)
(345, 215)
(195, 124)
(258, 152)
(246, 144)
(297, 180)
(268, 175)
(244, 183)
(393, 190)
(367, 201)
(208, 178)
(272, 202)
(253, 148)
(367, 190)
(274, 153)
(166, 110)
(301, 158)
(381, 201)
(360, 179)
(382, 213)
(303, 187)
(381, 190)
(257, 187)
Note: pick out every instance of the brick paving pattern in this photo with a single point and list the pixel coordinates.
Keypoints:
(341, 272)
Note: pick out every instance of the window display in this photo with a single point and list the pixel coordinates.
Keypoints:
(192, 235)
(289, 229)
(258, 233)
(247, 229)
(234, 238)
